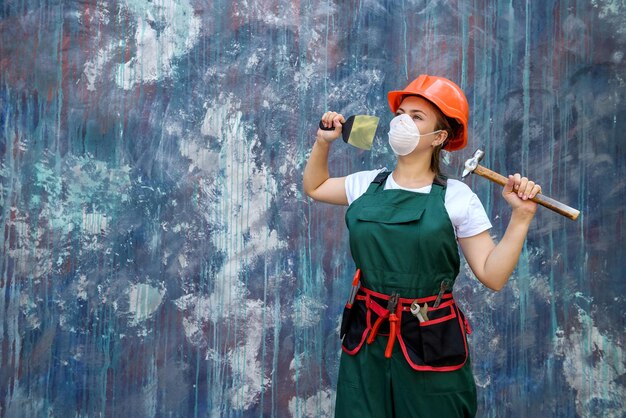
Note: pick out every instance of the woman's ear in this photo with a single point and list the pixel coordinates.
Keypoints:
(440, 139)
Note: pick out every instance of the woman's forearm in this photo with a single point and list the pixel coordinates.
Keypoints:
(493, 264)
(503, 258)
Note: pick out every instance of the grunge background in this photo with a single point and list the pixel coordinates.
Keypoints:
(159, 258)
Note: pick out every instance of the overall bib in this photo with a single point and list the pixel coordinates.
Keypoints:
(403, 242)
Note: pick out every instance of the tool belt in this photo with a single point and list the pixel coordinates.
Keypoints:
(437, 344)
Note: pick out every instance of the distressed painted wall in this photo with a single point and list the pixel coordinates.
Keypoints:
(160, 259)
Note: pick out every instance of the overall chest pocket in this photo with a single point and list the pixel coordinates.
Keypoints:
(386, 237)
(390, 214)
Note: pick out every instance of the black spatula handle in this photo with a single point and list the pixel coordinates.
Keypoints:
(324, 128)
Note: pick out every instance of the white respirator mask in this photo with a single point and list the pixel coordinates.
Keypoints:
(404, 136)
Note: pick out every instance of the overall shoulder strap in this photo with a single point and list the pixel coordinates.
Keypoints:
(440, 183)
(441, 180)
(378, 181)
(381, 177)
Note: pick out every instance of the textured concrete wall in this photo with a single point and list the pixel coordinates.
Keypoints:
(158, 257)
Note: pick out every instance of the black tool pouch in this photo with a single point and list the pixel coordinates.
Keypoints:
(346, 320)
(438, 344)
(356, 328)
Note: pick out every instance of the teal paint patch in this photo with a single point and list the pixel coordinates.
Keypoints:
(164, 33)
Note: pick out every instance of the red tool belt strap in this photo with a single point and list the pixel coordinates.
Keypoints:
(438, 344)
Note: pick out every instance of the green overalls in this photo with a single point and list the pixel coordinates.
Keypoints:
(403, 242)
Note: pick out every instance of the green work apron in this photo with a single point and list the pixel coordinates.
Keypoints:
(402, 242)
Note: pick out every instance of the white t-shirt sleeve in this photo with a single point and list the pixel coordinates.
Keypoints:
(476, 219)
(357, 183)
(465, 210)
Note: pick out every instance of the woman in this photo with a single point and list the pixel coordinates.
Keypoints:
(405, 349)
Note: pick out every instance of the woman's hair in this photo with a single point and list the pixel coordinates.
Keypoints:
(453, 128)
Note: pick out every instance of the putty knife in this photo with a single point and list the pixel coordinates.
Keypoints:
(358, 130)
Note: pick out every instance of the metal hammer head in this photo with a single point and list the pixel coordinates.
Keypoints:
(472, 163)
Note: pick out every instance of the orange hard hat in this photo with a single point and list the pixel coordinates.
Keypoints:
(444, 94)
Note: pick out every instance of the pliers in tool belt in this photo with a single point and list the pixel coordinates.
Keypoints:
(392, 303)
(393, 323)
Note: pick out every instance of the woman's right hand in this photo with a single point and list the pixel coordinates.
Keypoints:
(329, 120)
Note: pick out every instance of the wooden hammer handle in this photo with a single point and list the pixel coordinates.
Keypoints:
(539, 198)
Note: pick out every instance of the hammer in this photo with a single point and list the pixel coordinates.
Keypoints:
(472, 166)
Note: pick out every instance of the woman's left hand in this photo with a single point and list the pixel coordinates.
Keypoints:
(518, 191)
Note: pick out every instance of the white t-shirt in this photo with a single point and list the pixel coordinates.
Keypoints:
(467, 214)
